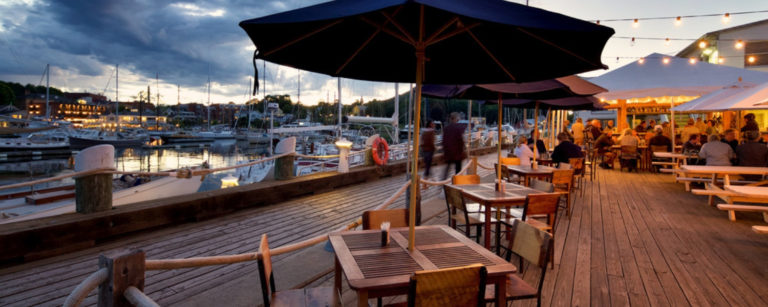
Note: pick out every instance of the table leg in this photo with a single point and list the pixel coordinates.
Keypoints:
(711, 199)
(362, 298)
(487, 231)
(337, 282)
(501, 293)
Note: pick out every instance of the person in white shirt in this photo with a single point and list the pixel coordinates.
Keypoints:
(578, 132)
(522, 151)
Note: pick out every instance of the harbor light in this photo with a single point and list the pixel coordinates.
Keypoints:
(344, 146)
(229, 182)
(739, 44)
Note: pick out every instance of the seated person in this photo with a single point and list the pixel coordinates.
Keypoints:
(660, 139)
(566, 149)
(603, 145)
(522, 151)
(641, 127)
(692, 146)
(751, 152)
(763, 137)
(717, 153)
(730, 139)
(541, 149)
(628, 138)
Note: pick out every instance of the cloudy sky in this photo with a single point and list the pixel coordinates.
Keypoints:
(185, 42)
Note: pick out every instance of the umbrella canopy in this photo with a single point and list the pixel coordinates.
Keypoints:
(539, 90)
(738, 96)
(569, 103)
(429, 41)
(479, 41)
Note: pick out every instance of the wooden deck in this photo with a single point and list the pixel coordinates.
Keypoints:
(633, 239)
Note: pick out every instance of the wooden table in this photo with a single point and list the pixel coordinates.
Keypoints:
(724, 172)
(375, 271)
(486, 195)
(527, 172)
(751, 191)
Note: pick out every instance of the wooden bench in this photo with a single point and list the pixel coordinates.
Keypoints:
(763, 230)
(45, 198)
(731, 208)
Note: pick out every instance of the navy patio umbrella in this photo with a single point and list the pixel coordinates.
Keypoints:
(429, 41)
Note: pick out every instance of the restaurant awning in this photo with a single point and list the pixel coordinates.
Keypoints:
(737, 96)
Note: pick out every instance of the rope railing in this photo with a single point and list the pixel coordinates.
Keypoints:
(138, 298)
(170, 264)
(447, 181)
(86, 286)
(485, 167)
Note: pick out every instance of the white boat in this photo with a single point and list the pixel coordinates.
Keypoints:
(34, 141)
(88, 138)
(254, 173)
(14, 210)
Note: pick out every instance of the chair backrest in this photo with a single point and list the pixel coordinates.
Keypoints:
(563, 165)
(454, 199)
(540, 204)
(461, 286)
(628, 151)
(530, 243)
(541, 185)
(510, 161)
(465, 179)
(265, 270)
(577, 164)
(659, 148)
(562, 176)
(504, 171)
(396, 217)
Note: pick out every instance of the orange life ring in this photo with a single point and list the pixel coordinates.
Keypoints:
(380, 151)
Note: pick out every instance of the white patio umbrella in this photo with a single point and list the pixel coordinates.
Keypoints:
(737, 96)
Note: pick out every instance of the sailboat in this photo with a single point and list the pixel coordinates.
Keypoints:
(87, 138)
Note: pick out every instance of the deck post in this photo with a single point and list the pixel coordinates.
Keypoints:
(124, 270)
(93, 193)
(472, 170)
(284, 166)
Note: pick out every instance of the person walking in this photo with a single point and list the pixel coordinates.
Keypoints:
(428, 148)
(453, 145)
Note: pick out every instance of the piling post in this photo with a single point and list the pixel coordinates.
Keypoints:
(472, 166)
(284, 166)
(344, 147)
(124, 270)
(93, 193)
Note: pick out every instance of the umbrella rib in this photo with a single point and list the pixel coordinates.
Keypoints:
(442, 29)
(388, 31)
(451, 34)
(399, 27)
(560, 48)
(491, 55)
(300, 38)
(354, 55)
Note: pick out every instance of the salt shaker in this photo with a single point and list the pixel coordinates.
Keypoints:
(384, 233)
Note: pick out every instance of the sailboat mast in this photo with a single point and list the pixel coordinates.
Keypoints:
(339, 90)
(209, 99)
(117, 98)
(47, 90)
(157, 107)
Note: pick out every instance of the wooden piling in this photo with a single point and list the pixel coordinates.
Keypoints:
(125, 270)
(284, 168)
(93, 193)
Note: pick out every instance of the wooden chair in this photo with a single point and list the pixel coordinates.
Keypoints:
(534, 246)
(469, 179)
(628, 158)
(537, 206)
(462, 286)
(563, 182)
(578, 172)
(458, 214)
(563, 165)
(658, 163)
(510, 161)
(396, 217)
(590, 164)
(298, 297)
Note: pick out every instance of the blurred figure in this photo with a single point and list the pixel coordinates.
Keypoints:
(716, 153)
(641, 127)
(540, 149)
(660, 139)
(700, 125)
(730, 138)
(603, 145)
(749, 125)
(710, 128)
(577, 129)
(689, 129)
(453, 145)
(610, 125)
(522, 151)
(566, 149)
(692, 146)
(595, 130)
(752, 153)
(428, 146)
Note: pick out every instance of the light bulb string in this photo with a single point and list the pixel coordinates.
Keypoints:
(680, 16)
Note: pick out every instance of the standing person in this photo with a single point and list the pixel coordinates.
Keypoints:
(578, 132)
(716, 153)
(701, 125)
(596, 131)
(453, 145)
(710, 128)
(428, 147)
(750, 124)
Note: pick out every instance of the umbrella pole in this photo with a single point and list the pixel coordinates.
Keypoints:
(499, 185)
(535, 130)
(415, 165)
(469, 128)
(672, 125)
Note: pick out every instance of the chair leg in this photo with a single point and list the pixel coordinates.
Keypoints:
(378, 302)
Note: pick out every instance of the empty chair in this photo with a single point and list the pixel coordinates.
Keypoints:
(578, 172)
(396, 217)
(563, 182)
(459, 216)
(462, 286)
(298, 297)
(533, 246)
(537, 206)
(469, 179)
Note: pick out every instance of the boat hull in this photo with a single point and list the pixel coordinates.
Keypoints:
(77, 142)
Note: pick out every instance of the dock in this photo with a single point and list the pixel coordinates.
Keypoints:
(633, 239)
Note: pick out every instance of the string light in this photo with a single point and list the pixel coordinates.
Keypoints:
(678, 21)
(665, 61)
(635, 23)
(751, 59)
(641, 61)
(720, 60)
(739, 44)
(726, 17)
(692, 60)
(703, 44)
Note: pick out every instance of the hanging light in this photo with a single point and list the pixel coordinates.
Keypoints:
(739, 44)
(751, 59)
(665, 61)
(702, 44)
(720, 60)
(692, 60)
(635, 23)
(641, 61)
(666, 42)
(678, 21)
(726, 17)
